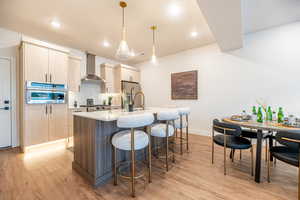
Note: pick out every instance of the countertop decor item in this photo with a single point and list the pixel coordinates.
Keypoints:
(184, 85)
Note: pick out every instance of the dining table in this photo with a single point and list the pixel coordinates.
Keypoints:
(262, 129)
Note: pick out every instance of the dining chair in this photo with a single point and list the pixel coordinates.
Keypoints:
(288, 152)
(229, 137)
(252, 135)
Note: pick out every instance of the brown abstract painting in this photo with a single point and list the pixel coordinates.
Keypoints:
(184, 85)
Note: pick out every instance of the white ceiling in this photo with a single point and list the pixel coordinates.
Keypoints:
(86, 23)
(263, 14)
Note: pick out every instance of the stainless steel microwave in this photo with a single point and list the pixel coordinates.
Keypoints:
(45, 93)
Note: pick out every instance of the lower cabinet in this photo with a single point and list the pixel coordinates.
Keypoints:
(36, 124)
(58, 122)
(44, 123)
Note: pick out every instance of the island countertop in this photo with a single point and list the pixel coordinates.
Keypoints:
(113, 115)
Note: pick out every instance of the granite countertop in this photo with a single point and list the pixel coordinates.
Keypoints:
(113, 115)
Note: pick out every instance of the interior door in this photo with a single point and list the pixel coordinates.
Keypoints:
(58, 122)
(58, 67)
(5, 98)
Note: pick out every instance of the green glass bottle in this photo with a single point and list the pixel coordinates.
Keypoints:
(269, 114)
(254, 110)
(259, 116)
(280, 115)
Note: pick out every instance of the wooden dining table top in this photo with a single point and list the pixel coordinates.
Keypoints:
(270, 126)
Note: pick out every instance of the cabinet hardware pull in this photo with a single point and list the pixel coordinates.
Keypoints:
(46, 109)
(46, 76)
(50, 78)
(50, 109)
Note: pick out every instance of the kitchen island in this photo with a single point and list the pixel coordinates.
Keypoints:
(92, 143)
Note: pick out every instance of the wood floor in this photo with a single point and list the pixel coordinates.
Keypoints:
(49, 176)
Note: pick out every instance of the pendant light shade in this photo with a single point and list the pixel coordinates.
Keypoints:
(153, 57)
(123, 51)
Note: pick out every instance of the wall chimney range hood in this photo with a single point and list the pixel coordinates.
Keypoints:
(91, 69)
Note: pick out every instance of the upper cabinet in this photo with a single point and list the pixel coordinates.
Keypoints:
(108, 74)
(36, 60)
(74, 73)
(125, 73)
(58, 67)
(42, 64)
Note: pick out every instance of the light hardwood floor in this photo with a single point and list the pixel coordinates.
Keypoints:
(49, 176)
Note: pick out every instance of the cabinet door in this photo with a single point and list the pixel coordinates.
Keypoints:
(58, 67)
(36, 63)
(35, 124)
(58, 121)
(74, 74)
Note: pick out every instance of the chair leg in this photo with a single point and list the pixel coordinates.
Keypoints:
(232, 155)
(251, 151)
(115, 166)
(176, 132)
(187, 133)
(266, 159)
(240, 154)
(132, 164)
(269, 166)
(181, 151)
(167, 154)
(213, 147)
(173, 151)
(224, 160)
(149, 156)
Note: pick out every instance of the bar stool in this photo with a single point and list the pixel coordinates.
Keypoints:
(132, 140)
(165, 131)
(181, 124)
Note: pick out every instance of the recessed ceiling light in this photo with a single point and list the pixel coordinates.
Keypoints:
(106, 43)
(55, 24)
(194, 34)
(174, 10)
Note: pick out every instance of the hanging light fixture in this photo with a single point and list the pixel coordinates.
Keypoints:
(153, 57)
(123, 51)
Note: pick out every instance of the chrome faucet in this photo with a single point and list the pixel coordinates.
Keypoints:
(143, 97)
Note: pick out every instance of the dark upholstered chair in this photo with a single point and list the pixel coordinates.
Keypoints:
(252, 134)
(229, 137)
(288, 152)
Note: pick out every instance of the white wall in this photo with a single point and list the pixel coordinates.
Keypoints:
(267, 68)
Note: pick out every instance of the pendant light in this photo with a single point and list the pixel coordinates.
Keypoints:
(123, 51)
(153, 57)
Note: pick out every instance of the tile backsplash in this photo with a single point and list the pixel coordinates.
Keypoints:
(90, 90)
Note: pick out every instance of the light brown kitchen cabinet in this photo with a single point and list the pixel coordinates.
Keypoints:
(125, 73)
(40, 123)
(58, 67)
(35, 59)
(42, 64)
(58, 121)
(107, 73)
(36, 125)
(74, 77)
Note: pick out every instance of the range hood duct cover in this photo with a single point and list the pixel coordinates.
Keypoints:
(91, 69)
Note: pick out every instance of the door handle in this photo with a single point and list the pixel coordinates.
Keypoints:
(4, 108)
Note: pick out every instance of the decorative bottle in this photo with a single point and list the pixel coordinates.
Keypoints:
(269, 114)
(280, 115)
(259, 116)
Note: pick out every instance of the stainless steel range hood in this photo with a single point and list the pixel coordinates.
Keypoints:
(91, 69)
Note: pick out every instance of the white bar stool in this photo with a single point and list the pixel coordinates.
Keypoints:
(132, 140)
(181, 124)
(166, 130)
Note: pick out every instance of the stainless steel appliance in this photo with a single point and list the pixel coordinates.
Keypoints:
(45, 93)
(129, 91)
